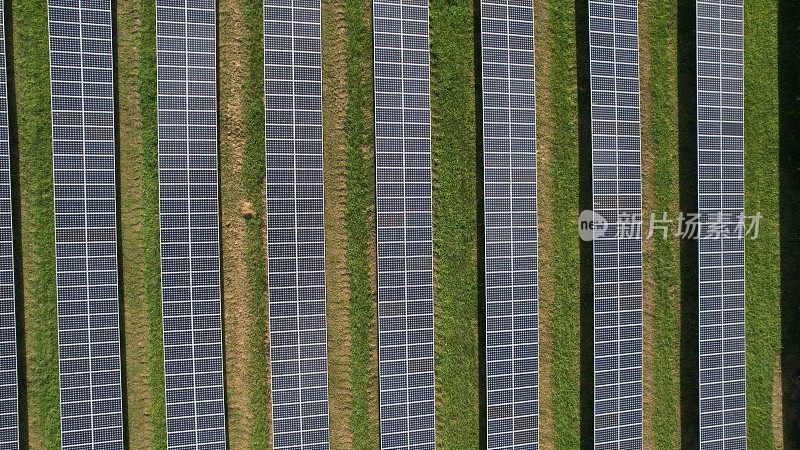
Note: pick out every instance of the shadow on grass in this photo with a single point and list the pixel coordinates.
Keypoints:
(789, 185)
(16, 218)
(479, 227)
(687, 156)
(586, 296)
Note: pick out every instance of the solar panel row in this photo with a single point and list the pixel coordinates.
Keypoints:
(85, 215)
(617, 202)
(405, 254)
(509, 159)
(189, 218)
(720, 157)
(9, 405)
(295, 224)
(84, 181)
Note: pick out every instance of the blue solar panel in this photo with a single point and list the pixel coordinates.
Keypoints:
(295, 224)
(509, 160)
(9, 405)
(84, 182)
(405, 255)
(617, 198)
(720, 157)
(189, 217)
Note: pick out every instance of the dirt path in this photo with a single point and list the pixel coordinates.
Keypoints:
(238, 319)
(648, 199)
(544, 142)
(334, 70)
(135, 313)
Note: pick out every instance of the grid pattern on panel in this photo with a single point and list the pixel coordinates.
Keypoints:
(9, 406)
(617, 246)
(189, 216)
(295, 224)
(509, 158)
(720, 126)
(403, 188)
(84, 183)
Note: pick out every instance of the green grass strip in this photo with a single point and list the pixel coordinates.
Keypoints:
(564, 321)
(360, 221)
(31, 85)
(253, 174)
(455, 224)
(150, 226)
(761, 195)
(661, 133)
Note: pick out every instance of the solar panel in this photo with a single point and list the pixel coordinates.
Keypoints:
(405, 255)
(509, 172)
(617, 203)
(189, 216)
(9, 405)
(295, 224)
(84, 184)
(720, 157)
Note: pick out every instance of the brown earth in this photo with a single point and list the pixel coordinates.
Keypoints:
(544, 149)
(237, 317)
(334, 70)
(131, 157)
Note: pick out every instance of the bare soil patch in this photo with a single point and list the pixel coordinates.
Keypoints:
(131, 158)
(544, 145)
(334, 69)
(238, 320)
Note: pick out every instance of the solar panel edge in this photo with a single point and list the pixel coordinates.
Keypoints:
(419, 4)
(739, 438)
(116, 441)
(494, 439)
(637, 440)
(317, 68)
(14, 408)
(215, 432)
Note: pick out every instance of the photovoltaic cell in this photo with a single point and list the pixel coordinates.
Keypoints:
(720, 156)
(9, 405)
(617, 203)
(189, 216)
(84, 183)
(405, 255)
(509, 159)
(295, 224)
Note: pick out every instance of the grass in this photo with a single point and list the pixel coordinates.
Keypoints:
(457, 208)
(150, 224)
(762, 280)
(662, 279)
(559, 204)
(455, 224)
(31, 87)
(253, 182)
(360, 224)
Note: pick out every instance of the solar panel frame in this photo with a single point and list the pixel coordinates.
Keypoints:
(84, 181)
(401, 54)
(9, 388)
(617, 246)
(194, 381)
(295, 224)
(720, 138)
(510, 225)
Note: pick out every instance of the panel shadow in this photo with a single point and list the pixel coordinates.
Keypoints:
(789, 201)
(585, 203)
(19, 263)
(687, 156)
(479, 226)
